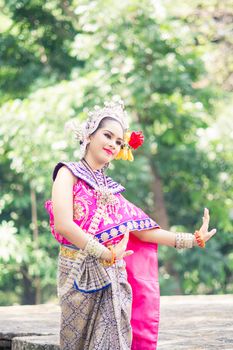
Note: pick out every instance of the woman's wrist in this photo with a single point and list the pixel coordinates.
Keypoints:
(98, 250)
(195, 241)
(199, 239)
(94, 248)
(109, 262)
(186, 240)
(106, 255)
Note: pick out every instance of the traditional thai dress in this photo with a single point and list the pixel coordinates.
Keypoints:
(114, 307)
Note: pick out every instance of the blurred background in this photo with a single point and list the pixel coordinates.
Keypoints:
(172, 64)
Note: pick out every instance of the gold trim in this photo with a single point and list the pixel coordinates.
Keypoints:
(69, 253)
(72, 254)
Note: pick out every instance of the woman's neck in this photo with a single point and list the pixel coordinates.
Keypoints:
(92, 163)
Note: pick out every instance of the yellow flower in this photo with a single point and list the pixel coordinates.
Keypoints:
(130, 155)
(119, 155)
(125, 153)
(127, 136)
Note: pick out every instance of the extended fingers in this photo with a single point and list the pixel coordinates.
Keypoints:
(128, 252)
(125, 238)
(212, 232)
(208, 235)
(122, 245)
(206, 220)
(206, 217)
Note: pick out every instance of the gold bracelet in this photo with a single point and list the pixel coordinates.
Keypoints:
(94, 248)
(113, 257)
(199, 239)
(184, 240)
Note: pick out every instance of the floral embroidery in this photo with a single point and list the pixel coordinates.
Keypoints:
(114, 232)
(130, 225)
(135, 224)
(122, 228)
(142, 224)
(78, 211)
(107, 219)
(104, 236)
(109, 224)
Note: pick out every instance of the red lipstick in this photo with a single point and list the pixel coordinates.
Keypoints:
(108, 151)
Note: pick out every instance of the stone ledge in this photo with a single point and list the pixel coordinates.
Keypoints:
(200, 322)
(29, 320)
(49, 342)
(5, 344)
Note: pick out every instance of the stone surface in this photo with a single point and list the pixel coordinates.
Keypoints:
(49, 342)
(187, 323)
(196, 323)
(5, 344)
(24, 320)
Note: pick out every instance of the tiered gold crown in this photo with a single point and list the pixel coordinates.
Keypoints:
(113, 109)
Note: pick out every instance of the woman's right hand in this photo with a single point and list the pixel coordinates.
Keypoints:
(204, 230)
(120, 248)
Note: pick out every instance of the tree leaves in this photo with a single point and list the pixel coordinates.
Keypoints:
(60, 58)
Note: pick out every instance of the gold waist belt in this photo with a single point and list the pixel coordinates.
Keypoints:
(73, 254)
(70, 253)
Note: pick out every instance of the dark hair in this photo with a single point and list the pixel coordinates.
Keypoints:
(102, 124)
(103, 121)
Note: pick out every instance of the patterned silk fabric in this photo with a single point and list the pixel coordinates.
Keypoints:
(96, 310)
(94, 319)
(115, 218)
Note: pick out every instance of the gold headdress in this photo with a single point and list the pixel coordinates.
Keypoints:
(113, 109)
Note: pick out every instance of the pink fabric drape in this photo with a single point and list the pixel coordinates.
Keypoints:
(142, 266)
(142, 269)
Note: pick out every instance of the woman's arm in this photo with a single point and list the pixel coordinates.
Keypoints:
(156, 235)
(62, 199)
(160, 236)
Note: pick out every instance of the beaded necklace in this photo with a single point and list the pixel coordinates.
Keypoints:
(104, 194)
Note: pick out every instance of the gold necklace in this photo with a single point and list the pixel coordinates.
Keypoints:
(104, 194)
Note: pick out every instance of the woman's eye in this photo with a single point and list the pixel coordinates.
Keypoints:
(119, 143)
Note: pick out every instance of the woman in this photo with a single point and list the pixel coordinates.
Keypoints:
(107, 278)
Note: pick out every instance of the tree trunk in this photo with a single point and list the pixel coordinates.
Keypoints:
(28, 297)
(36, 240)
(160, 210)
(162, 218)
(34, 215)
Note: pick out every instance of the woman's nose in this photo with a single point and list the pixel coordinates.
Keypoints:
(112, 144)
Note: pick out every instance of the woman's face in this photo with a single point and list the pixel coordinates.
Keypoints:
(106, 142)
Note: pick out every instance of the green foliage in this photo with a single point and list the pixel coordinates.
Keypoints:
(23, 262)
(60, 57)
(35, 49)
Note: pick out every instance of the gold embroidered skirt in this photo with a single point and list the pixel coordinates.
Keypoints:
(95, 303)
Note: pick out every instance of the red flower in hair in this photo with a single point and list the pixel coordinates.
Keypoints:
(136, 139)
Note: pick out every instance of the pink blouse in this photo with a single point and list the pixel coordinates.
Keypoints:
(114, 221)
(142, 266)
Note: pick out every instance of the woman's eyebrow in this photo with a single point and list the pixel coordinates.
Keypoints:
(114, 134)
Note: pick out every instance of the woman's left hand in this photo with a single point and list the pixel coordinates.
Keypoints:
(206, 235)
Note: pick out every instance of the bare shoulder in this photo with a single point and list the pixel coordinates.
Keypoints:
(65, 176)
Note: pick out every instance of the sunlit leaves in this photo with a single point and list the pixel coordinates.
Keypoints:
(61, 57)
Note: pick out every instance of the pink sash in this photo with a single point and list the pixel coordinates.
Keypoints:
(142, 269)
